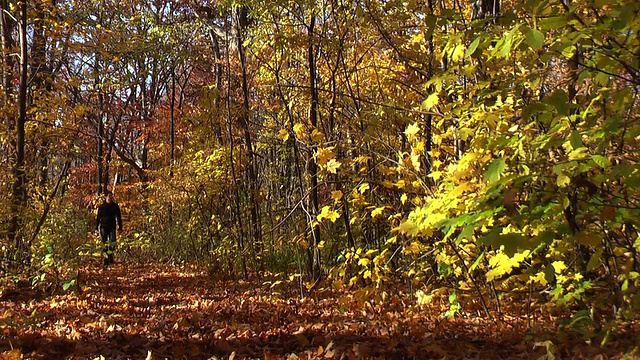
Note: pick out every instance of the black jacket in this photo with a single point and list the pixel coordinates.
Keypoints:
(107, 216)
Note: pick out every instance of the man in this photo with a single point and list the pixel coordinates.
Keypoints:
(108, 213)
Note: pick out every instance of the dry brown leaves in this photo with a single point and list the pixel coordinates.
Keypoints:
(132, 311)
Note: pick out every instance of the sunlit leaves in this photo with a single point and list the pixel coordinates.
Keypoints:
(430, 101)
(327, 213)
(502, 264)
(283, 135)
(495, 170)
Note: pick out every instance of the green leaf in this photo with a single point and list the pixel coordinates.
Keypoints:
(67, 285)
(579, 153)
(535, 38)
(477, 262)
(576, 139)
(549, 274)
(595, 260)
(473, 47)
(553, 22)
(495, 169)
(601, 161)
(633, 182)
(569, 51)
(560, 101)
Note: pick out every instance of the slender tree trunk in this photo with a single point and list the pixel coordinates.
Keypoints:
(172, 107)
(238, 217)
(7, 67)
(256, 228)
(313, 166)
(41, 76)
(100, 122)
(218, 74)
(429, 117)
(19, 190)
(483, 8)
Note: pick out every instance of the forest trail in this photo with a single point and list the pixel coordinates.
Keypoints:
(130, 311)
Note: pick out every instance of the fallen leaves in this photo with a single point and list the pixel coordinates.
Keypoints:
(156, 312)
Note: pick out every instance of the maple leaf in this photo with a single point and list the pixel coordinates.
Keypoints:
(333, 165)
(327, 213)
(411, 130)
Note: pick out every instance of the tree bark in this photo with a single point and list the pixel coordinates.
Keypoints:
(7, 25)
(19, 189)
(240, 15)
(316, 267)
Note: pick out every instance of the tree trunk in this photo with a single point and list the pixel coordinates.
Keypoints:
(484, 8)
(100, 123)
(41, 75)
(7, 25)
(240, 15)
(316, 267)
(19, 189)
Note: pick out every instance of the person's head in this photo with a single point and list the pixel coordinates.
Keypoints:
(108, 197)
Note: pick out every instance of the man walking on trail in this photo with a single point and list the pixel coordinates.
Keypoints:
(108, 213)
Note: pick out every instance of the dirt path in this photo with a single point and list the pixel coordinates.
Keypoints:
(155, 312)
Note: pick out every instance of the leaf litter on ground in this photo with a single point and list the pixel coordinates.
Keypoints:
(132, 311)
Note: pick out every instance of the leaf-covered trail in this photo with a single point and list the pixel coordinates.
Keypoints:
(132, 311)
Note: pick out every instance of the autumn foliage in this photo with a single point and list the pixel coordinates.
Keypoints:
(469, 161)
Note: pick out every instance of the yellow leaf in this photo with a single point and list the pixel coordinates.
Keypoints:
(316, 135)
(363, 187)
(539, 278)
(327, 213)
(403, 198)
(283, 135)
(422, 298)
(333, 165)
(558, 266)
(411, 130)
(430, 101)
(415, 162)
(364, 262)
(413, 248)
(323, 155)
(377, 212)
(435, 175)
(299, 130)
(336, 195)
(408, 227)
(563, 180)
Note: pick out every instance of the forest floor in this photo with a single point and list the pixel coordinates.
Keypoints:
(131, 311)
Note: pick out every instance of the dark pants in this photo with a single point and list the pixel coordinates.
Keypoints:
(108, 237)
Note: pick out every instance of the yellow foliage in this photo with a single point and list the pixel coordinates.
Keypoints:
(336, 196)
(323, 155)
(327, 213)
(283, 135)
(377, 212)
(300, 130)
(412, 130)
(333, 165)
(502, 264)
(317, 136)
